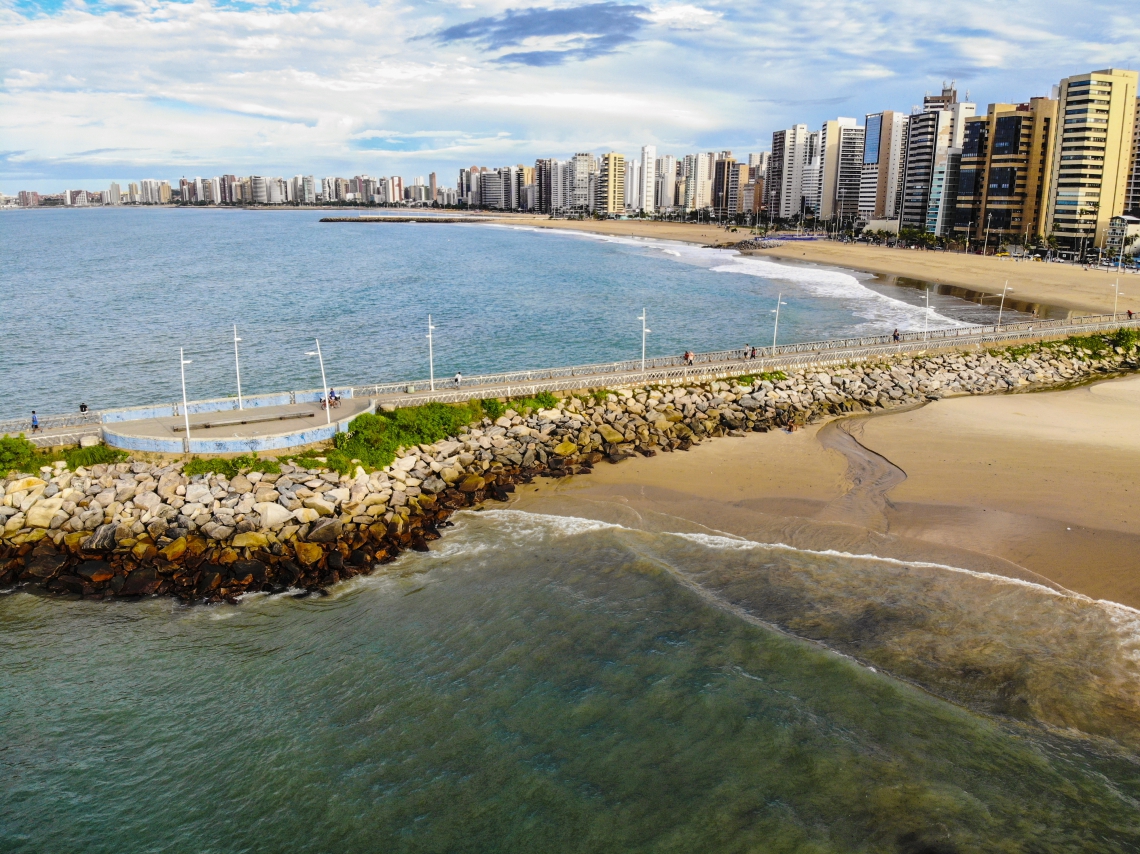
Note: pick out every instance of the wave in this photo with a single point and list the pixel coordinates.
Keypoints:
(879, 310)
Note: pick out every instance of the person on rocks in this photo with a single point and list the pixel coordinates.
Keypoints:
(35, 422)
(458, 379)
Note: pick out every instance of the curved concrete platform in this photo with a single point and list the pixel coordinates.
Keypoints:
(265, 428)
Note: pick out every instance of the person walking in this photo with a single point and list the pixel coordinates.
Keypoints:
(895, 336)
(35, 422)
(458, 379)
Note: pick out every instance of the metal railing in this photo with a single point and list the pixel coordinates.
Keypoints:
(663, 369)
(833, 350)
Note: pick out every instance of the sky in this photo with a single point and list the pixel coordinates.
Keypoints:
(102, 90)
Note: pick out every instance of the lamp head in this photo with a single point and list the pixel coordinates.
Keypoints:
(311, 353)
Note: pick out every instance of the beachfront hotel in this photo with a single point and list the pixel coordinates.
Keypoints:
(1092, 155)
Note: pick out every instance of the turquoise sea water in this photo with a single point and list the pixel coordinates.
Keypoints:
(588, 688)
(95, 303)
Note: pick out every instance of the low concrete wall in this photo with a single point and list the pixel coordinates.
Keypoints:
(253, 444)
(222, 404)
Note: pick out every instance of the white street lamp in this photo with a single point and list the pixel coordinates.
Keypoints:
(776, 328)
(926, 316)
(183, 362)
(644, 331)
(1115, 298)
(324, 382)
(237, 366)
(431, 355)
(1007, 289)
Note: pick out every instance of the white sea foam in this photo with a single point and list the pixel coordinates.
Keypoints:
(879, 310)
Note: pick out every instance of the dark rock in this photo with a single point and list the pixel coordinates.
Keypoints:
(95, 571)
(336, 561)
(210, 581)
(141, 582)
(44, 565)
(102, 539)
(70, 583)
(325, 530)
(254, 568)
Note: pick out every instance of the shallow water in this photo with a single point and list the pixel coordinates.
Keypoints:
(538, 683)
(96, 303)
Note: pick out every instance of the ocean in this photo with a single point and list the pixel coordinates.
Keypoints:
(541, 683)
(535, 682)
(96, 303)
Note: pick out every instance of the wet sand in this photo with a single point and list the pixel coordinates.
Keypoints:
(1065, 285)
(1044, 487)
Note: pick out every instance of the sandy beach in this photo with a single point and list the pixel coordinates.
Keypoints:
(1043, 487)
(1064, 285)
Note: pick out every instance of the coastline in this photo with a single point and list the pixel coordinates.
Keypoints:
(1062, 285)
(992, 484)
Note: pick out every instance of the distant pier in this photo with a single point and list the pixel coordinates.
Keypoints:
(428, 219)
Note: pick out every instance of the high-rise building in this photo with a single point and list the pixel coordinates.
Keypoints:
(648, 185)
(665, 193)
(113, 196)
(1092, 154)
(29, 199)
(724, 166)
(784, 182)
(1132, 201)
(931, 135)
(881, 176)
(633, 184)
(609, 195)
(1006, 172)
(581, 167)
(542, 186)
(841, 154)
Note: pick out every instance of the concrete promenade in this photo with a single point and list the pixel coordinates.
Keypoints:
(291, 419)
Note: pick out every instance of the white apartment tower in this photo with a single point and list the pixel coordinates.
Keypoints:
(881, 176)
(648, 184)
(666, 188)
(841, 155)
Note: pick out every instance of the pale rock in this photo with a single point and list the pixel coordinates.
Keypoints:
(272, 514)
(304, 515)
(41, 514)
(25, 484)
(147, 500)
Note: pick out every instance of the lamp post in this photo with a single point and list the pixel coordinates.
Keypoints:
(989, 219)
(237, 367)
(776, 328)
(1115, 298)
(1001, 307)
(324, 382)
(644, 332)
(926, 316)
(431, 356)
(182, 363)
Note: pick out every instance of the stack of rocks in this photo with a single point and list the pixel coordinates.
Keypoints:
(139, 528)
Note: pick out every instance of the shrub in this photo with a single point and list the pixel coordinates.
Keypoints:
(97, 455)
(375, 439)
(16, 454)
(493, 407)
(230, 468)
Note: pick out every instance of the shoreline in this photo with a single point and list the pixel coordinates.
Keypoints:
(1063, 286)
(130, 529)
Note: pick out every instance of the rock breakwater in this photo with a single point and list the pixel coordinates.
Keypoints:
(140, 528)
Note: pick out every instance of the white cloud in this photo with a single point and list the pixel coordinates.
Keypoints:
(155, 86)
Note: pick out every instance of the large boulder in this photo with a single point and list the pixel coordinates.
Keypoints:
(322, 507)
(42, 512)
(272, 514)
(102, 539)
(24, 484)
(325, 531)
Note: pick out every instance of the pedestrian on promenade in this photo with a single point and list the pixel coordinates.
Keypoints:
(1129, 314)
(35, 422)
(895, 336)
(83, 407)
(458, 379)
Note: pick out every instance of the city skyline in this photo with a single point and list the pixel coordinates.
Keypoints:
(114, 92)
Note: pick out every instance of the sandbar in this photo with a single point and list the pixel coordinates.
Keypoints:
(1041, 486)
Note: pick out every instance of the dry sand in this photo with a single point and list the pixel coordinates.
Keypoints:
(1064, 285)
(1042, 486)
